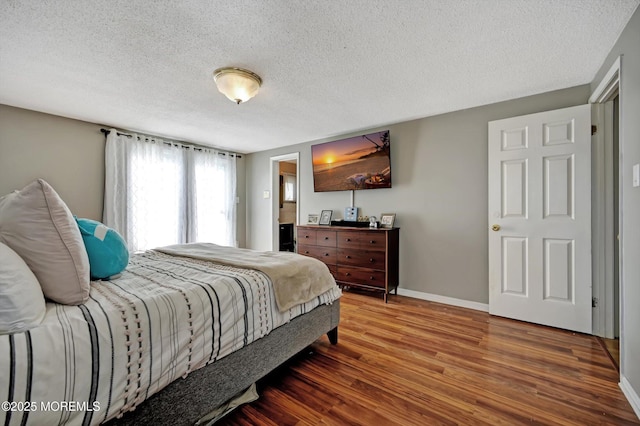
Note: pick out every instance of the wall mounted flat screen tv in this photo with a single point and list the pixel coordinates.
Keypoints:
(360, 162)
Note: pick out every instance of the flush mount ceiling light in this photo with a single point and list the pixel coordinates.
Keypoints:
(237, 84)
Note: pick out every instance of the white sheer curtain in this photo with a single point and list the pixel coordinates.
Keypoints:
(212, 195)
(158, 192)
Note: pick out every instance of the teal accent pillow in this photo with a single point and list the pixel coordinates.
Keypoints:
(107, 250)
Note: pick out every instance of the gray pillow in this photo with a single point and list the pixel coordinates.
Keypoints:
(39, 226)
(21, 301)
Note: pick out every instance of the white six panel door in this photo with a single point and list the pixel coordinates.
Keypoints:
(540, 218)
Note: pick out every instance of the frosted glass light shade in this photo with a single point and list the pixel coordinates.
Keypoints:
(237, 84)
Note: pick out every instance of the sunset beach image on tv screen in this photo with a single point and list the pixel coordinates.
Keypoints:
(360, 162)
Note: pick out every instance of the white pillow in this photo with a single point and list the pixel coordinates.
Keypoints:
(39, 226)
(21, 301)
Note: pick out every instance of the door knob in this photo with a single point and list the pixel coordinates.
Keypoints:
(495, 227)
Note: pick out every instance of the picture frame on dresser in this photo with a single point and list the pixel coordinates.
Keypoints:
(313, 219)
(351, 214)
(325, 217)
(387, 220)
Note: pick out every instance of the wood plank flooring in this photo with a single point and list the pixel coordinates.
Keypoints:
(412, 362)
(612, 346)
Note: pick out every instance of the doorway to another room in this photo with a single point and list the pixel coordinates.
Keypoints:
(610, 334)
(288, 200)
(284, 175)
(608, 221)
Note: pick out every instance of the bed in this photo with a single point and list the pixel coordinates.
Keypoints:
(179, 333)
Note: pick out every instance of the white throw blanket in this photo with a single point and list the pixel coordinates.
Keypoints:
(296, 279)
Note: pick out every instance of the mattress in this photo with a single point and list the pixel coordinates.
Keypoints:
(165, 317)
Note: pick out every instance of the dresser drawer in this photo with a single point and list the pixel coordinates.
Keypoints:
(325, 254)
(362, 258)
(307, 236)
(347, 274)
(326, 238)
(362, 240)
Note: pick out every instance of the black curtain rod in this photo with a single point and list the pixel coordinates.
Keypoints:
(106, 132)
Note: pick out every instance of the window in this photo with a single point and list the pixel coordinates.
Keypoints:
(214, 197)
(155, 197)
(159, 193)
(289, 185)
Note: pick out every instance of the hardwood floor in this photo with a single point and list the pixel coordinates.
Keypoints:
(612, 346)
(412, 362)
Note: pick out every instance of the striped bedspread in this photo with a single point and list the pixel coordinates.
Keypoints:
(165, 317)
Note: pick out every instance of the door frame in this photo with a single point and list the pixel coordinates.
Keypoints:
(602, 206)
(274, 172)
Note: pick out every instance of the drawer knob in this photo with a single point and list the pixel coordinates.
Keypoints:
(372, 241)
(371, 277)
(306, 252)
(371, 260)
(326, 254)
(326, 238)
(306, 236)
(348, 239)
(348, 274)
(348, 257)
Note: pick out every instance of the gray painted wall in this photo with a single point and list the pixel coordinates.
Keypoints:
(439, 175)
(69, 154)
(628, 45)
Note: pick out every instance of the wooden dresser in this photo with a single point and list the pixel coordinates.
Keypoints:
(357, 257)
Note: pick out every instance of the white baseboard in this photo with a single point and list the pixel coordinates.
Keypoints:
(444, 299)
(631, 394)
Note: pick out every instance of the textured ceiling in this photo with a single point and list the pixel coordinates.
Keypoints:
(329, 67)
